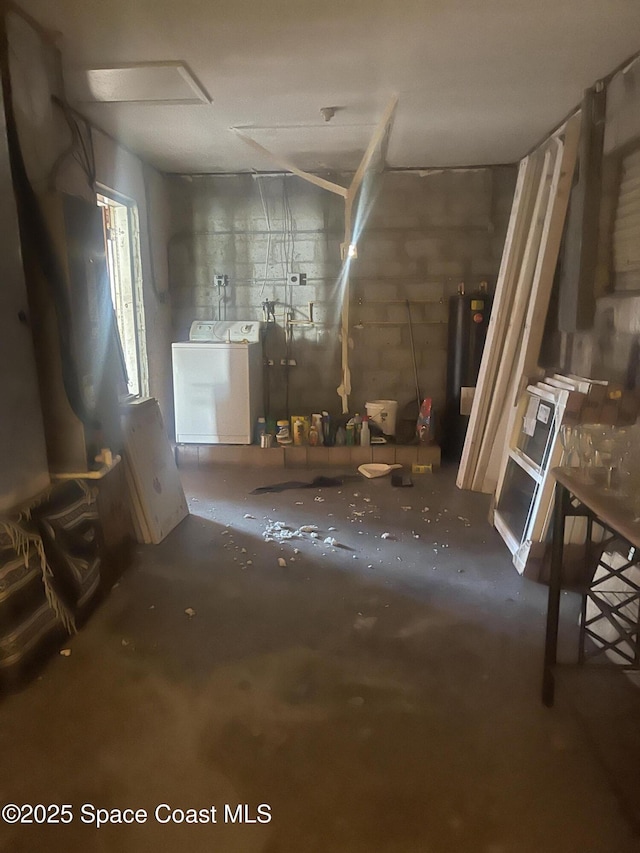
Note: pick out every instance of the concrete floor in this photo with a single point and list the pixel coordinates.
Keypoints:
(381, 697)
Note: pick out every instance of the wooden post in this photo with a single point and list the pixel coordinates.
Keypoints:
(529, 350)
(519, 222)
(344, 389)
(546, 191)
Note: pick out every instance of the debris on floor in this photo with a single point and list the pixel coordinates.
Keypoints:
(65, 653)
(317, 483)
(190, 611)
(282, 562)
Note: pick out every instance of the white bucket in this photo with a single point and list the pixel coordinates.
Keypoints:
(383, 413)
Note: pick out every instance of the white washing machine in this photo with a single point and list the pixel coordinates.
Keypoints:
(217, 383)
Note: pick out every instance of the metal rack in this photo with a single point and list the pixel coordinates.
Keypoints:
(617, 562)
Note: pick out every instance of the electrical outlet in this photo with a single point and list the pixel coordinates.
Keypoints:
(290, 363)
(297, 278)
(220, 280)
(270, 362)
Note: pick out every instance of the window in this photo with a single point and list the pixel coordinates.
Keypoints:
(122, 241)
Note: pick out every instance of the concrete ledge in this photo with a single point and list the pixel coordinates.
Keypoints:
(203, 455)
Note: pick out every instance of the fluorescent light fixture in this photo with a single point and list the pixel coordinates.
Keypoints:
(348, 251)
(136, 83)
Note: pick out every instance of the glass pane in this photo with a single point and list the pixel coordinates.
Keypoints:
(536, 446)
(516, 499)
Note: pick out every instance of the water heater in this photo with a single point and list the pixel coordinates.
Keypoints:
(467, 331)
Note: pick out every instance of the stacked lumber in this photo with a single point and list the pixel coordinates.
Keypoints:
(520, 304)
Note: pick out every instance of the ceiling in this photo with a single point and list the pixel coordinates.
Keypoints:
(479, 81)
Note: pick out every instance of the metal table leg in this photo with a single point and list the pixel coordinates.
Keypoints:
(555, 586)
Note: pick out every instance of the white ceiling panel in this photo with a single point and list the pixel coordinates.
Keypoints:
(144, 82)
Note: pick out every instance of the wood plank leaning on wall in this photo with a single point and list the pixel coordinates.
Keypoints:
(521, 301)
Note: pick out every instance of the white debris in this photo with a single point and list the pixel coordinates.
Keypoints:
(314, 535)
(278, 531)
(249, 562)
(308, 528)
(299, 503)
(282, 562)
(331, 541)
(190, 611)
(406, 508)
(243, 550)
(246, 515)
(65, 653)
(296, 550)
(332, 528)
(319, 500)
(387, 536)
(416, 535)
(367, 500)
(357, 514)
(356, 494)
(364, 623)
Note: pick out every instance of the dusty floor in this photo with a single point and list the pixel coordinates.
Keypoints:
(380, 697)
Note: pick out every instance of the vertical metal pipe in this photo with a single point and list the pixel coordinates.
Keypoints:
(553, 604)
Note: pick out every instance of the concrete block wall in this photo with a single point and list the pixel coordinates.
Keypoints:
(422, 234)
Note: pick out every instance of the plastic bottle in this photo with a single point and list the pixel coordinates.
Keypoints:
(357, 426)
(351, 434)
(298, 432)
(424, 426)
(316, 421)
(313, 437)
(365, 432)
(261, 428)
(282, 434)
(326, 430)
